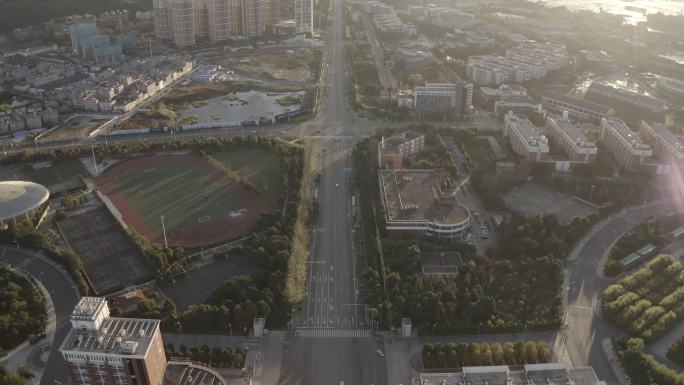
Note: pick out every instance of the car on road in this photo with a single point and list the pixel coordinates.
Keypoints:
(380, 352)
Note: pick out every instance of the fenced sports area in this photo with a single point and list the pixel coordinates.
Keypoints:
(200, 204)
(110, 258)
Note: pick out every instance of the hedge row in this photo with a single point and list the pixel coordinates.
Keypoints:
(649, 301)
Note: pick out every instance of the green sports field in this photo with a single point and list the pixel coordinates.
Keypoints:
(261, 168)
(199, 203)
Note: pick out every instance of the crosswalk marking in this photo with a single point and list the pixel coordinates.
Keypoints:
(330, 332)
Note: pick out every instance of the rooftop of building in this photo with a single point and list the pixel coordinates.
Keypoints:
(435, 86)
(118, 336)
(88, 306)
(549, 374)
(528, 130)
(20, 197)
(414, 195)
(391, 145)
(624, 131)
(580, 103)
(632, 96)
(667, 135)
(573, 132)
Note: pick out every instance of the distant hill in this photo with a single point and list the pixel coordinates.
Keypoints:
(18, 13)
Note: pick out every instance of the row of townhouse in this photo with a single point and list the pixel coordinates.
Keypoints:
(32, 117)
(528, 61)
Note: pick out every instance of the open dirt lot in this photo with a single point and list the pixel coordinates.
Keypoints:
(535, 199)
(291, 65)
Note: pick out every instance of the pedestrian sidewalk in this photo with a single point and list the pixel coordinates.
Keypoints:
(614, 362)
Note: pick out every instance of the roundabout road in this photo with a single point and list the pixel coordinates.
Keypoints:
(584, 284)
(64, 297)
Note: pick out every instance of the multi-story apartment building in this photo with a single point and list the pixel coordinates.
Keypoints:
(667, 147)
(528, 61)
(201, 10)
(100, 349)
(259, 16)
(162, 19)
(90, 45)
(304, 16)
(393, 150)
(439, 98)
(525, 139)
(221, 18)
(625, 145)
(570, 139)
(183, 18)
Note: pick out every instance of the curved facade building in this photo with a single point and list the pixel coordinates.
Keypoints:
(423, 202)
(19, 200)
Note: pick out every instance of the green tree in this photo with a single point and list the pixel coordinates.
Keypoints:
(531, 352)
(9, 378)
(520, 352)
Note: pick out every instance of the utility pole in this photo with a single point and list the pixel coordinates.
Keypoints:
(164, 231)
(92, 149)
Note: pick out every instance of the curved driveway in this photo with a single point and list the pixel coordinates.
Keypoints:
(583, 287)
(64, 297)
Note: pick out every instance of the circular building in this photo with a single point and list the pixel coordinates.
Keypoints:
(19, 200)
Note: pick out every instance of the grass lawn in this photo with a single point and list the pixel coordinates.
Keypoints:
(480, 155)
(259, 167)
(56, 173)
(179, 190)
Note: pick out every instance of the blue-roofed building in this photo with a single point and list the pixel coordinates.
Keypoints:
(126, 41)
(107, 54)
(79, 32)
(90, 45)
(87, 44)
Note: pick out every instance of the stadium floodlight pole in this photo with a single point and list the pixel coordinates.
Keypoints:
(92, 149)
(164, 231)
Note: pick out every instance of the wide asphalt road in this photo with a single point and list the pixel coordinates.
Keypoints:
(585, 326)
(63, 296)
(334, 343)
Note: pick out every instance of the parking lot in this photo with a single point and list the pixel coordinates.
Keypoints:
(481, 224)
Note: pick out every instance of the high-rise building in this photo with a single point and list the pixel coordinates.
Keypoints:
(80, 31)
(183, 17)
(201, 18)
(92, 46)
(304, 16)
(162, 19)
(259, 16)
(185, 20)
(100, 349)
(220, 17)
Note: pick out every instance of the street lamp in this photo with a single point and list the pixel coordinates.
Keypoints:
(164, 231)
